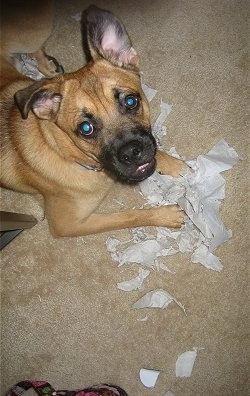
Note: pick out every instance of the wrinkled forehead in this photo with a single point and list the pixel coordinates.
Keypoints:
(96, 88)
(106, 73)
(102, 79)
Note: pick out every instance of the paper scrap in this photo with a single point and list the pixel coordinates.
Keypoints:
(149, 377)
(144, 252)
(27, 65)
(112, 243)
(144, 249)
(77, 16)
(135, 283)
(144, 319)
(117, 202)
(185, 363)
(208, 259)
(149, 92)
(158, 298)
(158, 129)
(169, 393)
(205, 191)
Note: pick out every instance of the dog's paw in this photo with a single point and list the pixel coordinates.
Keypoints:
(177, 167)
(168, 165)
(171, 216)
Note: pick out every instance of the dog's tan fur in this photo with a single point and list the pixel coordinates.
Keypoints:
(40, 152)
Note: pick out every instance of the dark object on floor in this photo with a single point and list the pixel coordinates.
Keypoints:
(11, 224)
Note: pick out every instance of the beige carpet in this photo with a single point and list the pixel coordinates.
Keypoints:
(63, 318)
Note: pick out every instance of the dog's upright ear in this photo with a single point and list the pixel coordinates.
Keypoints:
(107, 38)
(43, 98)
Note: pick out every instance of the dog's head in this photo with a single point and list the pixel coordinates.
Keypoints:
(101, 107)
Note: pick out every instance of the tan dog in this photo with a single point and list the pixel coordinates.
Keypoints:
(70, 138)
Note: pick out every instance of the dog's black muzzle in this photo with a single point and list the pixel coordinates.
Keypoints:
(130, 157)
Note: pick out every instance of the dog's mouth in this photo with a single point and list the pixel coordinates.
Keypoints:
(133, 173)
(143, 171)
(130, 160)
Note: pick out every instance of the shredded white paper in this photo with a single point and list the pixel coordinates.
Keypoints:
(159, 130)
(156, 299)
(149, 92)
(77, 16)
(143, 319)
(135, 283)
(199, 193)
(27, 66)
(185, 363)
(149, 377)
(183, 368)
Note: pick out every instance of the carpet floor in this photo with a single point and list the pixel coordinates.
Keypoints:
(63, 319)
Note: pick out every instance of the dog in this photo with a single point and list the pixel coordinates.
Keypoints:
(72, 136)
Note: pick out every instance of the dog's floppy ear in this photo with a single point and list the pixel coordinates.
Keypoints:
(107, 38)
(43, 98)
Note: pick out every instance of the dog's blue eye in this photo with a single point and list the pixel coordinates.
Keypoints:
(86, 128)
(131, 102)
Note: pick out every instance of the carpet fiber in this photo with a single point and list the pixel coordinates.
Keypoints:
(63, 318)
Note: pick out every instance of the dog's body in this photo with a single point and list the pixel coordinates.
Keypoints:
(71, 137)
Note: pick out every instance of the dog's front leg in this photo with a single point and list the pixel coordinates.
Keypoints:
(168, 165)
(69, 218)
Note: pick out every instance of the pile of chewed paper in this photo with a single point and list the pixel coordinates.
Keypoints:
(200, 193)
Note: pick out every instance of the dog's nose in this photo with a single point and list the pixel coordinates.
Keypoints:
(130, 152)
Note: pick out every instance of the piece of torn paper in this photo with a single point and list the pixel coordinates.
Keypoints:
(143, 249)
(149, 92)
(149, 377)
(27, 65)
(209, 260)
(144, 319)
(144, 252)
(159, 130)
(158, 298)
(206, 189)
(77, 16)
(185, 363)
(134, 283)
(168, 393)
